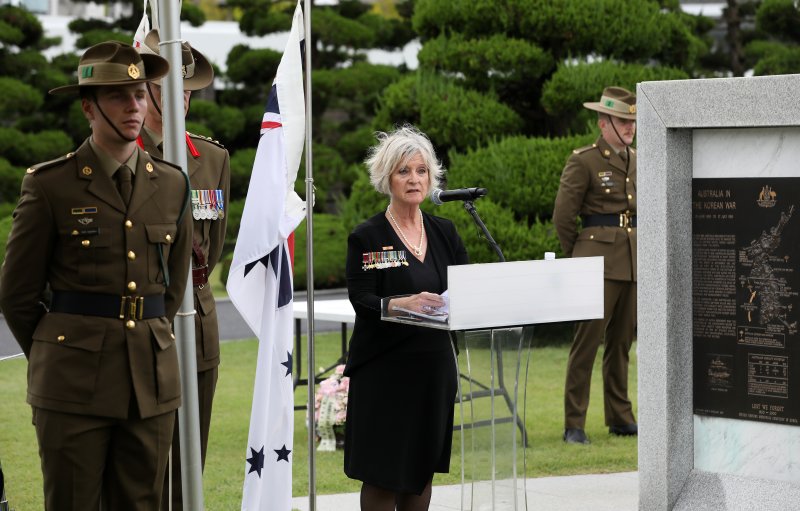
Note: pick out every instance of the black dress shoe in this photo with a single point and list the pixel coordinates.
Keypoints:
(624, 430)
(575, 436)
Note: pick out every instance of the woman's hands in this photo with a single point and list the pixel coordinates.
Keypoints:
(423, 302)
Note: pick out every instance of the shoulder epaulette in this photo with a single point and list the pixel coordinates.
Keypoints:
(584, 149)
(160, 160)
(49, 164)
(207, 139)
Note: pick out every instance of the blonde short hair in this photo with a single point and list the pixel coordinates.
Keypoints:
(394, 150)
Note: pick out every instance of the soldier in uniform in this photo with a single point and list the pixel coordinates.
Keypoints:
(107, 230)
(209, 171)
(598, 185)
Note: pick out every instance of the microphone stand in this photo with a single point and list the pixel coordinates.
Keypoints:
(470, 207)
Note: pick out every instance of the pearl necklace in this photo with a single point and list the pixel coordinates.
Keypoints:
(417, 250)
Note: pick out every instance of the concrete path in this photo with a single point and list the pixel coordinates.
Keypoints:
(593, 492)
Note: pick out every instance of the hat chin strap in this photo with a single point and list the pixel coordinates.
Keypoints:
(611, 118)
(123, 137)
(153, 99)
(627, 146)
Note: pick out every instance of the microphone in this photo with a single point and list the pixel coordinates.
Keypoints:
(439, 196)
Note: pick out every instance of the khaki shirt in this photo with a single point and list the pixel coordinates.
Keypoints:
(72, 232)
(596, 180)
(209, 169)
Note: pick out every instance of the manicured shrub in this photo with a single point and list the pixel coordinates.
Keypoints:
(18, 98)
(10, 182)
(330, 253)
(241, 168)
(517, 241)
(486, 64)
(521, 174)
(572, 85)
(452, 116)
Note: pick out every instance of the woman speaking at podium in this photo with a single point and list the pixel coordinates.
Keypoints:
(403, 378)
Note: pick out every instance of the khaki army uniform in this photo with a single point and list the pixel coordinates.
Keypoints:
(101, 353)
(599, 186)
(208, 165)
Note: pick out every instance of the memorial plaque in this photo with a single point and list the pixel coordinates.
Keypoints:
(745, 288)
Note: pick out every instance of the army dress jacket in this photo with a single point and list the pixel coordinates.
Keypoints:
(72, 232)
(208, 164)
(595, 181)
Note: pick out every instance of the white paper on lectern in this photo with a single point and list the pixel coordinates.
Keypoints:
(525, 292)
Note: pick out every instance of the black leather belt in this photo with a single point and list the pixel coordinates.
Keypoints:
(618, 220)
(107, 305)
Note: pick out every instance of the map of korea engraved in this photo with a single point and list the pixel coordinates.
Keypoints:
(768, 306)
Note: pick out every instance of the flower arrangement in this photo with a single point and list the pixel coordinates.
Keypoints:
(330, 408)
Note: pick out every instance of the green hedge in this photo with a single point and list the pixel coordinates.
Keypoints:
(330, 250)
(241, 168)
(517, 241)
(572, 85)
(520, 173)
(18, 98)
(330, 253)
(362, 82)
(10, 181)
(5, 229)
(453, 117)
(26, 149)
(486, 64)
(634, 30)
(224, 122)
(332, 177)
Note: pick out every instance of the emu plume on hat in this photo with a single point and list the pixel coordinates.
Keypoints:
(114, 63)
(196, 69)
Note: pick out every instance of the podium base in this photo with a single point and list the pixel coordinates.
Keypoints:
(493, 364)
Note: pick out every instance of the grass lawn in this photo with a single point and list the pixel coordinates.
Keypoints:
(547, 455)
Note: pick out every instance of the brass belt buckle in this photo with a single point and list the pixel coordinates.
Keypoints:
(131, 307)
(623, 220)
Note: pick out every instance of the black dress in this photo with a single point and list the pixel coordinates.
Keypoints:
(399, 426)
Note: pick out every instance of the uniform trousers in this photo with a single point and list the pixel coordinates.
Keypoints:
(87, 458)
(617, 328)
(206, 386)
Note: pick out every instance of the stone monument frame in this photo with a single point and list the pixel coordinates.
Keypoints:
(668, 113)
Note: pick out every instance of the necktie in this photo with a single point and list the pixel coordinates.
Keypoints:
(125, 183)
(624, 155)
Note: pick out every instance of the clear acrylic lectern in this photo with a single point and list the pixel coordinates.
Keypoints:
(492, 312)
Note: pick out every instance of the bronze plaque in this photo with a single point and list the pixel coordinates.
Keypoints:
(745, 311)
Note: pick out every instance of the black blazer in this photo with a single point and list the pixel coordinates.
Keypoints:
(371, 336)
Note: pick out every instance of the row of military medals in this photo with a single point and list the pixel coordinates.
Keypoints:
(208, 204)
(384, 259)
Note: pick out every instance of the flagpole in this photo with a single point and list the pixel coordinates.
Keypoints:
(175, 151)
(312, 469)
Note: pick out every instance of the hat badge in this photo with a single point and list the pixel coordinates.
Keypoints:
(133, 71)
(631, 109)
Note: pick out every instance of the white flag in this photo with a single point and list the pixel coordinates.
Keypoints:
(260, 281)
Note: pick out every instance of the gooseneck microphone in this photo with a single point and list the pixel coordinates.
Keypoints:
(439, 197)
